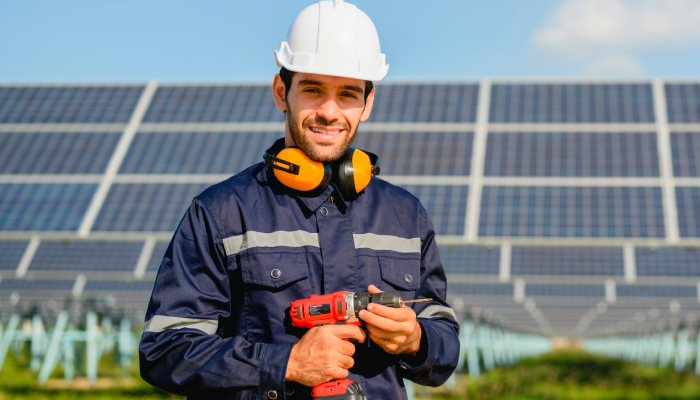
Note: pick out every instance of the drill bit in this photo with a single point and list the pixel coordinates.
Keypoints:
(413, 301)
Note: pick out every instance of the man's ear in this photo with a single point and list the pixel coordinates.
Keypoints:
(278, 91)
(368, 106)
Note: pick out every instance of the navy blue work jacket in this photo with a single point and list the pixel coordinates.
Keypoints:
(218, 322)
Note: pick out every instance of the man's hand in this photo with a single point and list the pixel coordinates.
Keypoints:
(396, 330)
(322, 355)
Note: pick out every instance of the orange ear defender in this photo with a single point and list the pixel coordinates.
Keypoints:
(307, 177)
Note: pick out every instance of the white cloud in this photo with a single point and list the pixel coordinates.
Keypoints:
(604, 35)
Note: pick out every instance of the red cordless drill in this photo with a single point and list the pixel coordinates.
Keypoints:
(339, 308)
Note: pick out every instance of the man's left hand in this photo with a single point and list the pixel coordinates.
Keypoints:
(396, 330)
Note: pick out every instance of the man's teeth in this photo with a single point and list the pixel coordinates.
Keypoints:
(324, 132)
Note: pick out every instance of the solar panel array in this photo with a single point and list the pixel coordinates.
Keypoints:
(560, 208)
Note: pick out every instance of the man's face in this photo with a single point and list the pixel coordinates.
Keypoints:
(323, 113)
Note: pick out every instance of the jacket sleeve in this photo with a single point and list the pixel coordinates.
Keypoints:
(182, 349)
(439, 351)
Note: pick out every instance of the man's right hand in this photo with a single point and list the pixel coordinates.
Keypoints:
(322, 355)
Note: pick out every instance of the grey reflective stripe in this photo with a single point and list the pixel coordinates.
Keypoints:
(160, 323)
(236, 244)
(436, 310)
(386, 242)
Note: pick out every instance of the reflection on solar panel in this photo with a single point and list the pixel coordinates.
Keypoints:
(572, 103)
(68, 104)
(656, 291)
(144, 207)
(56, 153)
(10, 254)
(86, 256)
(672, 261)
(686, 153)
(565, 290)
(43, 207)
(418, 153)
(571, 212)
(425, 103)
(480, 289)
(470, 260)
(446, 206)
(566, 261)
(688, 202)
(196, 153)
(571, 154)
(157, 256)
(213, 104)
(683, 103)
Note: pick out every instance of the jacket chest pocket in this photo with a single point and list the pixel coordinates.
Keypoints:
(400, 274)
(271, 281)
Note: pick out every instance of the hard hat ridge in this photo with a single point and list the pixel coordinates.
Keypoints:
(333, 38)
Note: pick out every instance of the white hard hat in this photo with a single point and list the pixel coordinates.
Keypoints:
(333, 38)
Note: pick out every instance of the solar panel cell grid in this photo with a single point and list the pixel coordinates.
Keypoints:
(565, 290)
(419, 153)
(571, 154)
(56, 153)
(571, 212)
(425, 103)
(656, 291)
(144, 207)
(688, 203)
(686, 153)
(672, 261)
(596, 103)
(446, 206)
(683, 103)
(598, 261)
(470, 259)
(86, 256)
(480, 289)
(68, 104)
(11, 253)
(196, 153)
(43, 207)
(244, 103)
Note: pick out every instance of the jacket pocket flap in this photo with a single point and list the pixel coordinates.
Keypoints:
(274, 269)
(401, 272)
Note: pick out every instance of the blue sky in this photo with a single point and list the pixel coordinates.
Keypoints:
(135, 41)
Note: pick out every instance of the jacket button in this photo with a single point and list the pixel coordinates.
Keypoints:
(275, 273)
(272, 394)
(408, 278)
(323, 211)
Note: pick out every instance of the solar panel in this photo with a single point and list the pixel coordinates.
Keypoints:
(595, 103)
(11, 252)
(146, 207)
(242, 103)
(113, 104)
(56, 153)
(425, 103)
(480, 289)
(419, 153)
(43, 207)
(671, 261)
(157, 256)
(686, 153)
(565, 290)
(571, 212)
(571, 154)
(656, 291)
(446, 206)
(86, 256)
(688, 203)
(566, 261)
(196, 153)
(470, 259)
(683, 103)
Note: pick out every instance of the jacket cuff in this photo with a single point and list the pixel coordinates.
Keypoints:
(273, 369)
(426, 354)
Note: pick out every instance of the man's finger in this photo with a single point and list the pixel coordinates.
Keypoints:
(403, 314)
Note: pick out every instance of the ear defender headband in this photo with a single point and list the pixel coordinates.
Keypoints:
(307, 177)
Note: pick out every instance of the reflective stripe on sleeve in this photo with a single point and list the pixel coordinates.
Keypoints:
(436, 310)
(160, 323)
(236, 244)
(386, 242)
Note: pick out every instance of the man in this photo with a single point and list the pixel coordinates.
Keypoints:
(218, 323)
